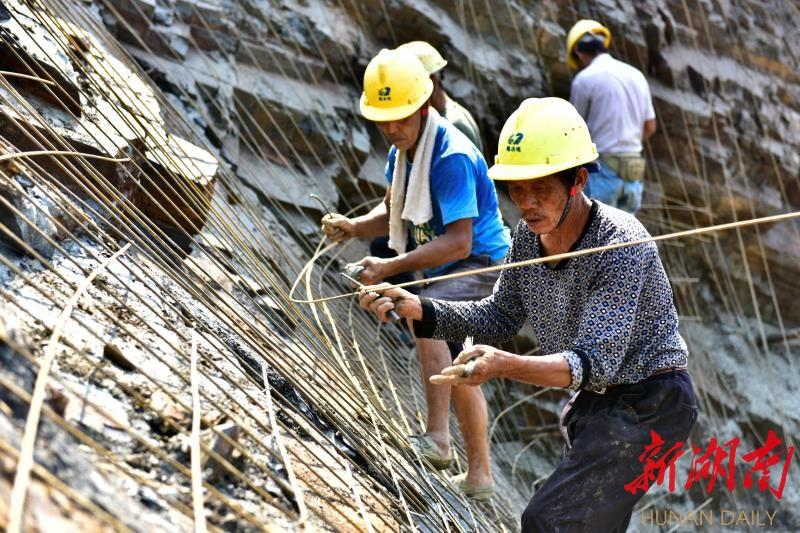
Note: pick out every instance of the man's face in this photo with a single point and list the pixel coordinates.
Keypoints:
(540, 202)
(403, 133)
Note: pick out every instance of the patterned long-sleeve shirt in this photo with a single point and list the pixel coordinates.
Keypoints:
(611, 314)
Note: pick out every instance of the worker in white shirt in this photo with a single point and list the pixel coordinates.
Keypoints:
(614, 99)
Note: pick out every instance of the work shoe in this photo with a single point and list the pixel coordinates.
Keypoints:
(424, 446)
(480, 494)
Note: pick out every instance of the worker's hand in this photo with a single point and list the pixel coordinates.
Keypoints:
(472, 367)
(375, 270)
(380, 301)
(338, 227)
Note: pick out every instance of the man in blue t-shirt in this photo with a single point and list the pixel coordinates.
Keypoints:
(464, 231)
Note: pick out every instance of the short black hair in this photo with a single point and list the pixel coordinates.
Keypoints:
(590, 44)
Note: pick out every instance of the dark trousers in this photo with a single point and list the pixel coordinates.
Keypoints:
(608, 432)
(379, 247)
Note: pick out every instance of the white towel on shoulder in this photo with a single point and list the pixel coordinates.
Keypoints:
(413, 204)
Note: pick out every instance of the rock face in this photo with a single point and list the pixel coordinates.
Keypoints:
(210, 123)
(279, 82)
(90, 102)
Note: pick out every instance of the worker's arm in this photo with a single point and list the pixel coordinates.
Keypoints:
(603, 334)
(495, 318)
(374, 224)
(649, 129)
(453, 186)
(545, 371)
(454, 244)
(489, 363)
(611, 310)
(594, 357)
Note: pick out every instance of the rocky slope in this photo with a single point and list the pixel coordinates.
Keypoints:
(229, 113)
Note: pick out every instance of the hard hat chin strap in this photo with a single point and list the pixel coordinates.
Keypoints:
(572, 192)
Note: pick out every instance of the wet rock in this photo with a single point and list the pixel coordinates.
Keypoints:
(126, 115)
(285, 117)
(275, 312)
(35, 217)
(46, 509)
(17, 123)
(283, 60)
(137, 14)
(373, 171)
(216, 41)
(287, 184)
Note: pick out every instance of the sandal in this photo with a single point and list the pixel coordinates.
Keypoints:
(481, 494)
(425, 447)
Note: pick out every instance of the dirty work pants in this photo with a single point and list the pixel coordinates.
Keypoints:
(608, 433)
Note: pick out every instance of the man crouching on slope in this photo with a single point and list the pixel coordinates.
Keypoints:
(606, 321)
(438, 185)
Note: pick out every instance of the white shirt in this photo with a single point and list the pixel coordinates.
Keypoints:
(614, 99)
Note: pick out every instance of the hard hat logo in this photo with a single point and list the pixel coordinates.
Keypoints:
(555, 138)
(512, 144)
(384, 94)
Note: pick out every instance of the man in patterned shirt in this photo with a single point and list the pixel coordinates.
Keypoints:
(606, 321)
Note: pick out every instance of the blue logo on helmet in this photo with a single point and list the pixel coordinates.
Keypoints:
(512, 145)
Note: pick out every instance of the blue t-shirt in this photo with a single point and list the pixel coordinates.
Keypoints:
(460, 188)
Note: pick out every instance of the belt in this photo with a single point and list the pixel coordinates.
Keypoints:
(658, 372)
(665, 371)
(627, 165)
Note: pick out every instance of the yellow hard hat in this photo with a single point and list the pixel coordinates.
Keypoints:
(431, 59)
(581, 28)
(542, 137)
(395, 85)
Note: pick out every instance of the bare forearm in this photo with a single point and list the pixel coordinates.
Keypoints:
(454, 244)
(544, 371)
(373, 224)
(439, 251)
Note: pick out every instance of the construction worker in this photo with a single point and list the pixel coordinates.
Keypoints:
(439, 187)
(606, 321)
(455, 113)
(614, 99)
(448, 108)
